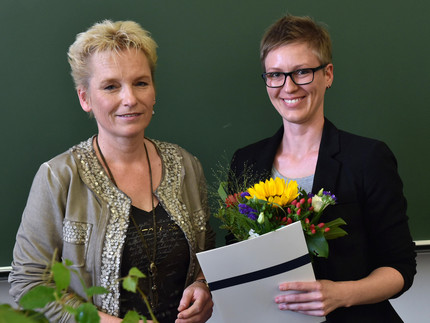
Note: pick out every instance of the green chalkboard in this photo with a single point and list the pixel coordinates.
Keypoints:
(210, 97)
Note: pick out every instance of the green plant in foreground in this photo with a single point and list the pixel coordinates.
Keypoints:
(55, 290)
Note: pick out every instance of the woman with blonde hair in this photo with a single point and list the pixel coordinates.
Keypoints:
(119, 199)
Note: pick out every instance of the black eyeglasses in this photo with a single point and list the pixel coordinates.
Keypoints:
(301, 76)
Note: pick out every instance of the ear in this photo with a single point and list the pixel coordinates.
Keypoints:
(329, 74)
(84, 99)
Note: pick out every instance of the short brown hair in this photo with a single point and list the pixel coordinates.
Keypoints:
(293, 29)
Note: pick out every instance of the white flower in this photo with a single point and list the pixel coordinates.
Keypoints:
(318, 203)
(252, 234)
(261, 218)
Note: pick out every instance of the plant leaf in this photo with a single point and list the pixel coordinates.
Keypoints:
(10, 315)
(129, 283)
(68, 262)
(37, 297)
(61, 276)
(335, 231)
(87, 313)
(96, 290)
(317, 244)
(131, 317)
(136, 273)
(221, 191)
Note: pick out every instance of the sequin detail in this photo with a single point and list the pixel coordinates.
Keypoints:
(119, 204)
(76, 232)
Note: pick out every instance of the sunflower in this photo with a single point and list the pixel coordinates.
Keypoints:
(275, 191)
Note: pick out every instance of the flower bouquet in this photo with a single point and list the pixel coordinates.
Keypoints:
(272, 204)
(266, 219)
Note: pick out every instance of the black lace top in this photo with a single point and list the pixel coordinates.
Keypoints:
(172, 261)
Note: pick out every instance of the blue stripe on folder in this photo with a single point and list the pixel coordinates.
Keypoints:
(261, 274)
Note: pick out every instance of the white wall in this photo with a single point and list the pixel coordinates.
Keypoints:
(413, 306)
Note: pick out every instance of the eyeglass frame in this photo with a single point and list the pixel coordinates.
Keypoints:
(313, 69)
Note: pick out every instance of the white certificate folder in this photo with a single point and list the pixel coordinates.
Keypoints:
(244, 277)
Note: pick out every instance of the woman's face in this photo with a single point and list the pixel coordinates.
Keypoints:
(298, 104)
(120, 94)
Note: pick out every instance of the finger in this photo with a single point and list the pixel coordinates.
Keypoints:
(201, 316)
(197, 307)
(299, 297)
(196, 313)
(185, 302)
(300, 286)
(310, 308)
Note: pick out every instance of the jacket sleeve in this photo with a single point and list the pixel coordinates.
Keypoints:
(39, 237)
(385, 212)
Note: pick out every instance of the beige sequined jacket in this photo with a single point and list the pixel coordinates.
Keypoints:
(74, 207)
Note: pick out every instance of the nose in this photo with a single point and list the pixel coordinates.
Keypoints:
(128, 96)
(289, 85)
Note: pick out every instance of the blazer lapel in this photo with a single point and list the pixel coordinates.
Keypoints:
(328, 168)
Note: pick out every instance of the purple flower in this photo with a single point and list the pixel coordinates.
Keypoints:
(332, 196)
(244, 194)
(248, 211)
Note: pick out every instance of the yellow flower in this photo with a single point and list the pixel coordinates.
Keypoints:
(275, 191)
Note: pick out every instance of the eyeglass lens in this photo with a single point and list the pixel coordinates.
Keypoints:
(299, 77)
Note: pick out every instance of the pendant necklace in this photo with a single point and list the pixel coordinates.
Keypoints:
(152, 269)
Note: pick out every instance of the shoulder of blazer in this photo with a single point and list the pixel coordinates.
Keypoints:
(258, 156)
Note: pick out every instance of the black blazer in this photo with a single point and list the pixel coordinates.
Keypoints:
(362, 173)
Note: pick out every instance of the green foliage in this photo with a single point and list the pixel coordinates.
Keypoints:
(8, 314)
(55, 289)
(133, 317)
(249, 217)
(61, 275)
(37, 297)
(130, 281)
(87, 313)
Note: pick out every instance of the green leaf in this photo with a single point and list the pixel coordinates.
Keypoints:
(335, 231)
(11, 315)
(36, 316)
(131, 317)
(317, 244)
(96, 290)
(37, 297)
(61, 276)
(68, 262)
(130, 283)
(136, 273)
(221, 191)
(87, 313)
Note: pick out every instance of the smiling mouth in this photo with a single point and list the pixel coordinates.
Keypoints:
(128, 115)
(292, 101)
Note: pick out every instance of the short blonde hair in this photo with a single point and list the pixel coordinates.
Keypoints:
(112, 36)
(293, 29)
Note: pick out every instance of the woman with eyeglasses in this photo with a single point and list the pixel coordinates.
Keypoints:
(119, 199)
(376, 260)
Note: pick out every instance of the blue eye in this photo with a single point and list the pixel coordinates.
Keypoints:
(109, 87)
(303, 72)
(274, 75)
